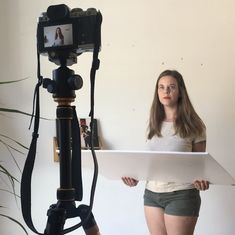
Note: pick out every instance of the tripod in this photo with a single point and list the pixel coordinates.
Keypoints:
(63, 87)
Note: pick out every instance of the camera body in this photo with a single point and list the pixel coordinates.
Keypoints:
(63, 33)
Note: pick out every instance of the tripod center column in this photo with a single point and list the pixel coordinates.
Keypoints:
(65, 115)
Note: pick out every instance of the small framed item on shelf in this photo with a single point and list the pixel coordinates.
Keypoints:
(85, 131)
(85, 136)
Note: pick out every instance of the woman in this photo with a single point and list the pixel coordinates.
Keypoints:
(59, 37)
(172, 208)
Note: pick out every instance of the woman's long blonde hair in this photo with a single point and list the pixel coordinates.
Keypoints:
(187, 122)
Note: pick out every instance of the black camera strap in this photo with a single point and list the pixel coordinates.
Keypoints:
(94, 68)
(76, 157)
(29, 163)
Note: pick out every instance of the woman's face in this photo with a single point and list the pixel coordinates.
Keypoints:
(168, 91)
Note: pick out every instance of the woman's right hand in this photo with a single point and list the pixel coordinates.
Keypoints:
(130, 181)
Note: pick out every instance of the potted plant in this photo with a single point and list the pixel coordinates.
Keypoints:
(9, 180)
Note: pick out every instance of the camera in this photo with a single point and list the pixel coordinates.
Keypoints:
(63, 34)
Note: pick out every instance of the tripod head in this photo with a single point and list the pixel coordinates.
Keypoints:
(64, 84)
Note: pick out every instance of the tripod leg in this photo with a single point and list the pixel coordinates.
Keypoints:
(90, 227)
(56, 220)
(92, 231)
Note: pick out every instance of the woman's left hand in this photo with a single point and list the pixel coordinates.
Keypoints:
(201, 184)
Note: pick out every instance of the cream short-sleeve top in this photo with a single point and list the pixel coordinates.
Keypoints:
(169, 141)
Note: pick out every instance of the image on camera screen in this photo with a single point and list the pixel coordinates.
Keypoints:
(58, 35)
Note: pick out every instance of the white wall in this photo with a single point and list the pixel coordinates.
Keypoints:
(139, 40)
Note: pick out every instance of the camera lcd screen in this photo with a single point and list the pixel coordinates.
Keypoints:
(58, 35)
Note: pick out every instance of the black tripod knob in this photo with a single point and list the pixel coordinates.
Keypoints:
(75, 82)
(49, 84)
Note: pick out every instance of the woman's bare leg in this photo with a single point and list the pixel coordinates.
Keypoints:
(155, 220)
(180, 225)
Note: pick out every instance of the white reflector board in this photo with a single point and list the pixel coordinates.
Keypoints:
(185, 167)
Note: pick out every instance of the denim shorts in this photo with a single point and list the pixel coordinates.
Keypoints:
(181, 203)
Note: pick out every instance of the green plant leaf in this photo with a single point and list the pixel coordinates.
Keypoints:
(8, 147)
(13, 81)
(7, 173)
(16, 221)
(6, 110)
(11, 178)
(17, 142)
(8, 191)
(14, 111)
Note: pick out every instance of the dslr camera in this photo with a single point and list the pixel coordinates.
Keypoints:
(63, 34)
